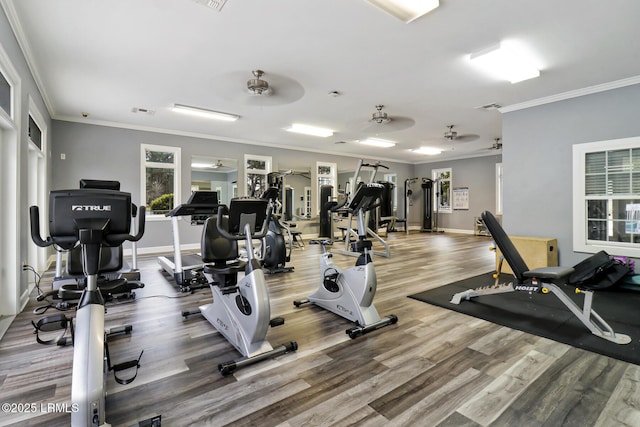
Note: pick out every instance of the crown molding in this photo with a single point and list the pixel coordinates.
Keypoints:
(571, 94)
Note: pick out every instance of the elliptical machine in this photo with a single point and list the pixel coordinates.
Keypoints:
(240, 311)
(349, 293)
(276, 250)
(93, 219)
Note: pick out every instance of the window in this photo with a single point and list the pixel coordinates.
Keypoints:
(35, 134)
(606, 197)
(256, 169)
(5, 94)
(442, 187)
(160, 178)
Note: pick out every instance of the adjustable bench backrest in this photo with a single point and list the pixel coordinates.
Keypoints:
(506, 246)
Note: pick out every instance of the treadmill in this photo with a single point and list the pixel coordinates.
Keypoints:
(186, 269)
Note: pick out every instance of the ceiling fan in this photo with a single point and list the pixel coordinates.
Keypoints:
(451, 135)
(497, 145)
(257, 86)
(381, 122)
(205, 164)
(262, 89)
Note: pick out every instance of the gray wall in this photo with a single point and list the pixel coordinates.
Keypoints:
(478, 174)
(537, 157)
(87, 146)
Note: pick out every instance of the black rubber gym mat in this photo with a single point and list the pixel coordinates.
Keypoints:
(544, 315)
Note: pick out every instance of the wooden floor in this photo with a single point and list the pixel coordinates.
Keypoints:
(434, 368)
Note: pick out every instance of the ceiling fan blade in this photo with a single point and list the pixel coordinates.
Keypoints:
(395, 123)
(466, 138)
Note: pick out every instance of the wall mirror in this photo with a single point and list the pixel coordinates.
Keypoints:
(215, 174)
(295, 193)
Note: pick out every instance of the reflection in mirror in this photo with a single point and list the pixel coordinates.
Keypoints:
(256, 169)
(215, 174)
(293, 196)
(347, 182)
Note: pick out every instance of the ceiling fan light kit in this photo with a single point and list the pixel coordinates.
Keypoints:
(379, 116)
(406, 10)
(203, 112)
(257, 86)
(450, 134)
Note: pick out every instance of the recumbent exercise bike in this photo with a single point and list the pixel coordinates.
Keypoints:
(349, 293)
(113, 282)
(92, 219)
(240, 310)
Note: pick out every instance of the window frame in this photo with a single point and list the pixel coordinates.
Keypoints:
(581, 243)
(176, 167)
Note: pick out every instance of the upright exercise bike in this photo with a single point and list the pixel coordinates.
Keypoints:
(349, 293)
(240, 310)
(93, 219)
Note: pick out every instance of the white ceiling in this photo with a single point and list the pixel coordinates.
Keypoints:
(107, 57)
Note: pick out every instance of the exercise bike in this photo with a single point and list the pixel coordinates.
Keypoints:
(349, 293)
(240, 310)
(93, 219)
(116, 283)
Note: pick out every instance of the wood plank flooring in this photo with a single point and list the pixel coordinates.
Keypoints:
(434, 367)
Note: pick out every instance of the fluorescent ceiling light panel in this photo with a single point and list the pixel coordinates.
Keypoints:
(203, 112)
(201, 165)
(406, 10)
(378, 142)
(506, 63)
(309, 130)
(429, 151)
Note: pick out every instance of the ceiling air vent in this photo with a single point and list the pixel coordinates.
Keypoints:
(492, 106)
(213, 4)
(143, 111)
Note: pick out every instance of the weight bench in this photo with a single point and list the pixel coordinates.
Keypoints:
(544, 280)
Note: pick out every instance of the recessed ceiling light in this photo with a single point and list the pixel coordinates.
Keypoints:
(378, 142)
(406, 10)
(429, 151)
(309, 130)
(203, 112)
(505, 62)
